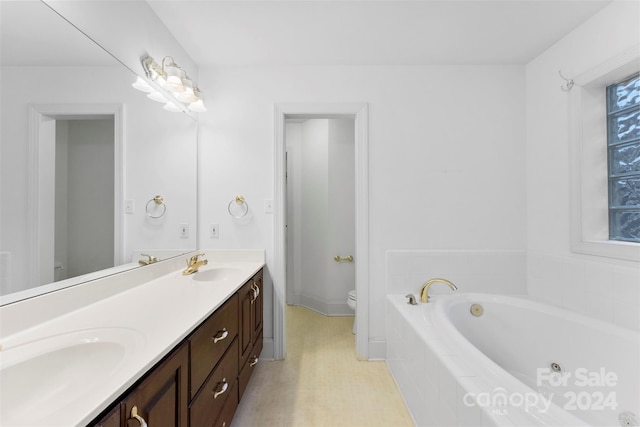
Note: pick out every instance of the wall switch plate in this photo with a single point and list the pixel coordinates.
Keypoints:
(268, 206)
(214, 231)
(128, 206)
(184, 231)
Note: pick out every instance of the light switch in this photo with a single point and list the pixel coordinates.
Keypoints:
(128, 206)
(184, 231)
(214, 232)
(268, 206)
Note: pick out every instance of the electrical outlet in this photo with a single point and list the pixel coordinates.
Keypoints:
(184, 231)
(214, 231)
(128, 206)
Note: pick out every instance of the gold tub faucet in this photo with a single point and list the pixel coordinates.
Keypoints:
(424, 293)
(193, 264)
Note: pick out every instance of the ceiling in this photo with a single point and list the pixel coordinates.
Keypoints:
(369, 32)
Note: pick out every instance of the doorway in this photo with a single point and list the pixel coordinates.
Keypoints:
(75, 188)
(84, 196)
(359, 113)
(320, 218)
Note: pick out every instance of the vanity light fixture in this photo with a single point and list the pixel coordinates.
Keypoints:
(178, 92)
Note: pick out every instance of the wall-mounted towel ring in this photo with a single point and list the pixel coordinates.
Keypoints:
(156, 208)
(238, 207)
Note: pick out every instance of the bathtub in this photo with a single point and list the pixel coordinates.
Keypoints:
(518, 363)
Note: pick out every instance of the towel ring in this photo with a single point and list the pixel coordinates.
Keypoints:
(155, 202)
(238, 207)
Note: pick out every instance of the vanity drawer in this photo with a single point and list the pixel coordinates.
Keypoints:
(229, 408)
(247, 369)
(211, 340)
(207, 405)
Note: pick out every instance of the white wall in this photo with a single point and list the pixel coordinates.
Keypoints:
(159, 152)
(602, 287)
(446, 147)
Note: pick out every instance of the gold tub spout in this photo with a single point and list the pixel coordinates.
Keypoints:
(424, 292)
(193, 264)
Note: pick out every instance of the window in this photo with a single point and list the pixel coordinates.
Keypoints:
(623, 142)
(605, 159)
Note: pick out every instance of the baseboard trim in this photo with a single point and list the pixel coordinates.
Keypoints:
(267, 349)
(377, 349)
(325, 308)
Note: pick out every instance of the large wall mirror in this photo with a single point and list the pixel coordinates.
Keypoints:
(83, 156)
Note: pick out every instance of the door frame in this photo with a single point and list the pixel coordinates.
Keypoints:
(359, 111)
(38, 113)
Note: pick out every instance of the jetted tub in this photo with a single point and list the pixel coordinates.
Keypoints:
(480, 359)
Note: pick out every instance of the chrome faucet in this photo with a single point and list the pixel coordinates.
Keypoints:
(424, 292)
(412, 299)
(150, 260)
(193, 264)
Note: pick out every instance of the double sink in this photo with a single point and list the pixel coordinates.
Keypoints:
(43, 373)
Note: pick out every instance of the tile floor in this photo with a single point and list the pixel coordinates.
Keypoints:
(321, 383)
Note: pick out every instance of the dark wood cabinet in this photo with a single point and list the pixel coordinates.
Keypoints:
(211, 340)
(207, 406)
(201, 381)
(250, 334)
(112, 419)
(161, 399)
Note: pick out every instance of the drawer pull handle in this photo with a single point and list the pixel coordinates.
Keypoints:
(134, 414)
(223, 388)
(256, 292)
(254, 361)
(221, 335)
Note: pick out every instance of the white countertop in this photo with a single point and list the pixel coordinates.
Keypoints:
(160, 313)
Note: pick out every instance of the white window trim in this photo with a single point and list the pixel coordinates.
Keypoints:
(588, 136)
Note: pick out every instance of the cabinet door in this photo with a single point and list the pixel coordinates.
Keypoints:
(247, 301)
(256, 320)
(112, 419)
(161, 398)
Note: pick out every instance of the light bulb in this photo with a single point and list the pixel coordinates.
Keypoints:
(174, 75)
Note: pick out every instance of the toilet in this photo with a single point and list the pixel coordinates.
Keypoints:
(351, 302)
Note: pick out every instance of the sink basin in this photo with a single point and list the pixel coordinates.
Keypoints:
(40, 377)
(216, 274)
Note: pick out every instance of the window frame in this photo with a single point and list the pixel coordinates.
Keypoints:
(588, 153)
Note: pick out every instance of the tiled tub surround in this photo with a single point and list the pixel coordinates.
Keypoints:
(455, 369)
(495, 271)
(157, 304)
(600, 288)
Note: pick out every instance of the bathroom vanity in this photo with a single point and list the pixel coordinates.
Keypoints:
(174, 351)
(203, 378)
